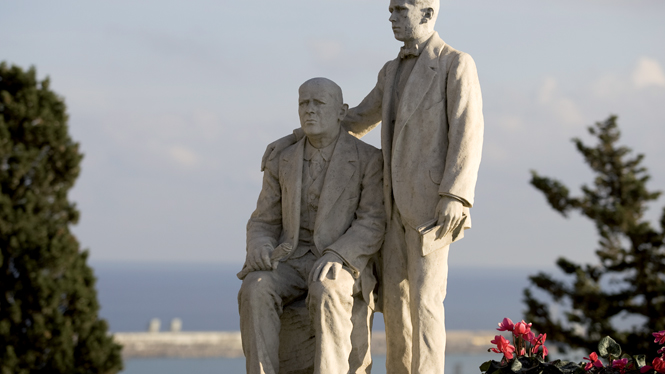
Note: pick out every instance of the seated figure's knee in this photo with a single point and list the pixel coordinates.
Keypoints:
(257, 287)
(329, 290)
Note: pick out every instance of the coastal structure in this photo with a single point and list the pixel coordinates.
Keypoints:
(191, 344)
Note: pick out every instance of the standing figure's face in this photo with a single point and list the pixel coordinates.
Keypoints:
(408, 20)
(319, 109)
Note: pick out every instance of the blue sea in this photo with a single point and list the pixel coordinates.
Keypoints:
(204, 297)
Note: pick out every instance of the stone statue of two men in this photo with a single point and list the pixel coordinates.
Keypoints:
(336, 216)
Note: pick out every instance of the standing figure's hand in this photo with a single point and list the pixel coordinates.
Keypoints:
(329, 262)
(449, 214)
(276, 147)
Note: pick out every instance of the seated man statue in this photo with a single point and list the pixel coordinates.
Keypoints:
(316, 230)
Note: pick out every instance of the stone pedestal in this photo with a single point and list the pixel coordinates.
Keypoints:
(297, 341)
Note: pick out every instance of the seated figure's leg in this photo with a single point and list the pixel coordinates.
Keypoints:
(331, 306)
(260, 300)
(360, 360)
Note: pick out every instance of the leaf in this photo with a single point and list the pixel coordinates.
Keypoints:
(608, 346)
(569, 367)
(485, 366)
(640, 360)
(516, 366)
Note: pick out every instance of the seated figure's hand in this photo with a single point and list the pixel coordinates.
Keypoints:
(329, 262)
(259, 258)
(449, 214)
(275, 147)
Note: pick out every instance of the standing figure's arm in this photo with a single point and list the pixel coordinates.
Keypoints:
(465, 141)
(367, 115)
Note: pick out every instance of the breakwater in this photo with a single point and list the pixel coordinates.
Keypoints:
(190, 344)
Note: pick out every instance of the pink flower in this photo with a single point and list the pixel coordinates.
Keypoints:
(530, 337)
(522, 329)
(662, 351)
(620, 364)
(546, 352)
(503, 346)
(660, 337)
(659, 364)
(506, 325)
(522, 352)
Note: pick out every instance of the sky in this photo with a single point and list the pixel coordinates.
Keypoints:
(173, 103)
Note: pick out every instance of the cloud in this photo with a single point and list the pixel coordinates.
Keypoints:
(184, 156)
(647, 73)
(325, 50)
(559, 105)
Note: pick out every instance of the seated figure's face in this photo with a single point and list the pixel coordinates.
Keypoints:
(320, 108)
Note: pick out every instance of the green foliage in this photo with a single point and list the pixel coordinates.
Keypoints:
(48, 305)
(530, 365)
(629, 278)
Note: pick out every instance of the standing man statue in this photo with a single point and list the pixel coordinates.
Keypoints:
(429, 102)
(318, 224)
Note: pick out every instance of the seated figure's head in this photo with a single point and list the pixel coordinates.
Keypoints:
(321, 109)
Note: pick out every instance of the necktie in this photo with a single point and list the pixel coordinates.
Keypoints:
(316, 165)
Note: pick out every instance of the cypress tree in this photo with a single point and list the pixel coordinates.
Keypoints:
(628, 279)
(48, 305)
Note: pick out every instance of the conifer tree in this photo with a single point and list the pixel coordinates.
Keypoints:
(629, 278)
(48, 303)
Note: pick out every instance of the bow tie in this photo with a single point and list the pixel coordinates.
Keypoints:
(409, 52)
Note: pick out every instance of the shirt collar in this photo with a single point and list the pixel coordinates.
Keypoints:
(416, 50)
(326, 152)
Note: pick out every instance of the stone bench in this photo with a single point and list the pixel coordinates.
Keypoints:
(297, 340)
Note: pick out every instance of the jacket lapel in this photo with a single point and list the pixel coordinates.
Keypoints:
(419, 82)
(293, 181)
(340, 170)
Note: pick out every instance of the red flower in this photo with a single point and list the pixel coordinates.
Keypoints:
(506, 325)
(662, 351)
(538, 342)
(645, 368)
(522, 329)
(530, 337)
(593, 357)
(503, 346)
(660, 337)
(659, 364)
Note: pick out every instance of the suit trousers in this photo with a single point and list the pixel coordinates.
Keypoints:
(331, 306)
(414, 287)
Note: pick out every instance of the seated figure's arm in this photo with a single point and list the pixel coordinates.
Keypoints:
(265, 225)
(365, 236)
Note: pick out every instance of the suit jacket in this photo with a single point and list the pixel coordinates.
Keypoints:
(438, 133)
(351, 218)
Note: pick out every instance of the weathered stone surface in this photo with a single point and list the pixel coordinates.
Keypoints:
(296, 340)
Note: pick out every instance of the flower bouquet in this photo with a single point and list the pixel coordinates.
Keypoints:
(527, 354)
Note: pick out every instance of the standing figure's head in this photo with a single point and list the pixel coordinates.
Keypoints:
(413, 20)
(321, 109)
